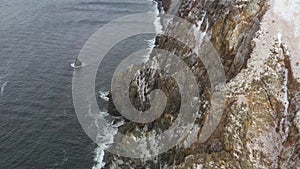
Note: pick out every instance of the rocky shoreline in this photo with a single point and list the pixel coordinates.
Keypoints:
(260, 124)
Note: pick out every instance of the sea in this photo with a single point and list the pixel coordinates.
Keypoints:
(39, 39)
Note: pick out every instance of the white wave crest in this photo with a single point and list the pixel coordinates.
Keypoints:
(104, 95)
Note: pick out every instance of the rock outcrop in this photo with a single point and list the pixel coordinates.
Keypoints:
(260, 128)
(260, 124)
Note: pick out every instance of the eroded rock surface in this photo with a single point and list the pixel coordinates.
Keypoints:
(260, 124)
(260, 128)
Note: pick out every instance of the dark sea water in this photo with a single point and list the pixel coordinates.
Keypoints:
(38, 41)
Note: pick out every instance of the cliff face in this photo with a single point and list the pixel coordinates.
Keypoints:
(260, 124)
(260, 128)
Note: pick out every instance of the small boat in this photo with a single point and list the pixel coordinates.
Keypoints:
(77, 64)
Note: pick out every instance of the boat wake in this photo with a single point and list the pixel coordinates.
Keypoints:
(76, 67)
(2, 87)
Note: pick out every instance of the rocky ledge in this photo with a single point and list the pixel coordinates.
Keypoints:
(260, 126)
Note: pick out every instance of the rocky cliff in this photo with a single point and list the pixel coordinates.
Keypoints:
(260, 124)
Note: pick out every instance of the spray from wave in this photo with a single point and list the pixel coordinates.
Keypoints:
(104, 95)
(108, 130)
(105, 138)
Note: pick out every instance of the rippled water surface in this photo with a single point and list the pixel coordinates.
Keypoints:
(38, 41)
